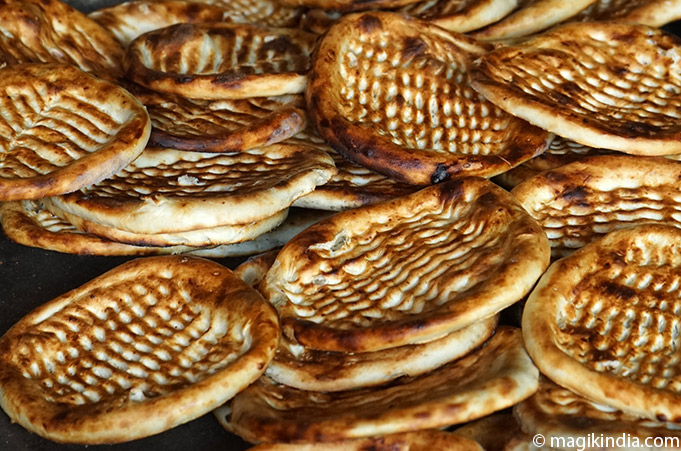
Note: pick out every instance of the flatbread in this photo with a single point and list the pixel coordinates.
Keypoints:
(392, 93)
(533, 16)
(63, 129)
(216, 61)
(407, 441)
(166, 190)
(408, 270)
(50, 31)
(605, 85)
(461, 16)
(270, 13)
(149, 345)
(126, 21)
(580, 202)
(213, 236)
(564, 417)
(603, 322)
(221, 125)
(348, 5)
(500, 374)
(307, 369)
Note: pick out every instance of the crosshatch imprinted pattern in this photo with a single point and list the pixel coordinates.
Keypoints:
(269, 13)
(136, 339)
(623, 317)
(421, 102)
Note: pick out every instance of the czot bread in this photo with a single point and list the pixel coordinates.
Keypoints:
(50, 31)
(63, 129)
(151, 344)
(558, 413)
(606, 85)
(603, 322)
(494, 377)
(580, 202)
(215, 61)
(128, 20)
(167, 190)
(533, 16)
(407, 270)
(392, 93)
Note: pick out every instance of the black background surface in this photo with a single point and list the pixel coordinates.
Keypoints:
(30, 277)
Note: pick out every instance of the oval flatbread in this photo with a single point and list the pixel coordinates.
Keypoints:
(149, 345)
(392, 93)
(605, 85)
(408, 270)
(604, 322)
(496, 376)
(215, 61)
(62, 129)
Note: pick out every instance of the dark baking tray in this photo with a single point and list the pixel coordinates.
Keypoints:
(30, 277)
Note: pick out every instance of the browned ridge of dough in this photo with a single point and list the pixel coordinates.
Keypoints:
(392, 93)
(149, 345)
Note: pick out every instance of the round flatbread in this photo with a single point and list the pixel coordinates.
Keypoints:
(566, 417)
(496, 376)
(408, 270)
(51, 31)
(533, 16)
(603, 322)
(216, 61)
(392, 93)
(655, 13)
(605, 85)
(221, 125)
(62, 129)
(580, 202)
(166, 191)
(307, 369)
(128, 20)
(407, 441)
(149, 345)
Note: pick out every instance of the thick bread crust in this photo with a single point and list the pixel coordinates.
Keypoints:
(64, 129)
(600, 324)
(183, 336)
(550, 82)
(407, 270)
(177, 60)
(392, 93)
(496, 376)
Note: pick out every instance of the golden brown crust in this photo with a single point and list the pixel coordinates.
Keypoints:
(151, 344)
(655, 13)
(269, 13)
(461, 16)
(50, 31)
(221, 60)
(349, 5)
(167, 190)
(392, 93)
(580, 202)
(427, 440)
(603, 322)
(498, 375)
(407, 270)
(63, 129)
(605, 85)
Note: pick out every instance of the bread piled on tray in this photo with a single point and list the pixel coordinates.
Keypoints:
(400, 188)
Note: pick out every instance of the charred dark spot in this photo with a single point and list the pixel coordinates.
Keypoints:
(440, 174)
(627, 38)
(413, 47)
(616, 290)
(619, 70)
(280, 45)
(564, 94)
(369, 23)
(452, 189)
(232, 79)
(576, 195)
(662, 417)
(399, 99)
(556, 178)
(639, 128)
(423, 415)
